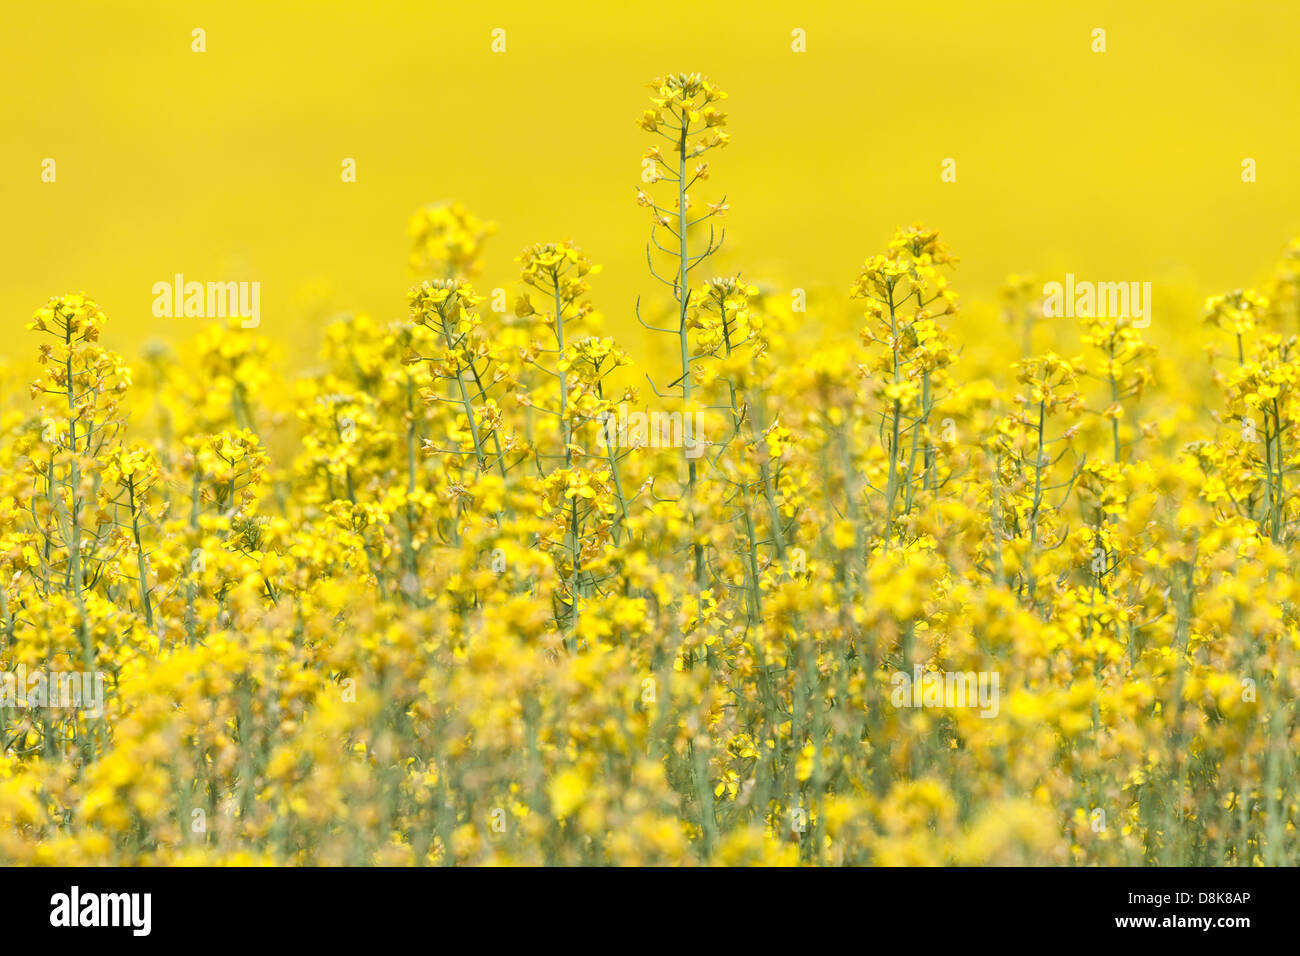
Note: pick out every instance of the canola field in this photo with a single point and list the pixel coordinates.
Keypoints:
(483, 585)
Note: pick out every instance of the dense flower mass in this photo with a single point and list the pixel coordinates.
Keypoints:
(471, 590)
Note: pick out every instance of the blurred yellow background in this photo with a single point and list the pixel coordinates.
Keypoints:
(225, 165)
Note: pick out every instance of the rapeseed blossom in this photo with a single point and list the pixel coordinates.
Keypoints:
(416, 608)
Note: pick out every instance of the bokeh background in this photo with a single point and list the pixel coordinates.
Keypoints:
(226, 165)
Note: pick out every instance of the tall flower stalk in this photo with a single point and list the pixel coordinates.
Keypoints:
(684, 115)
